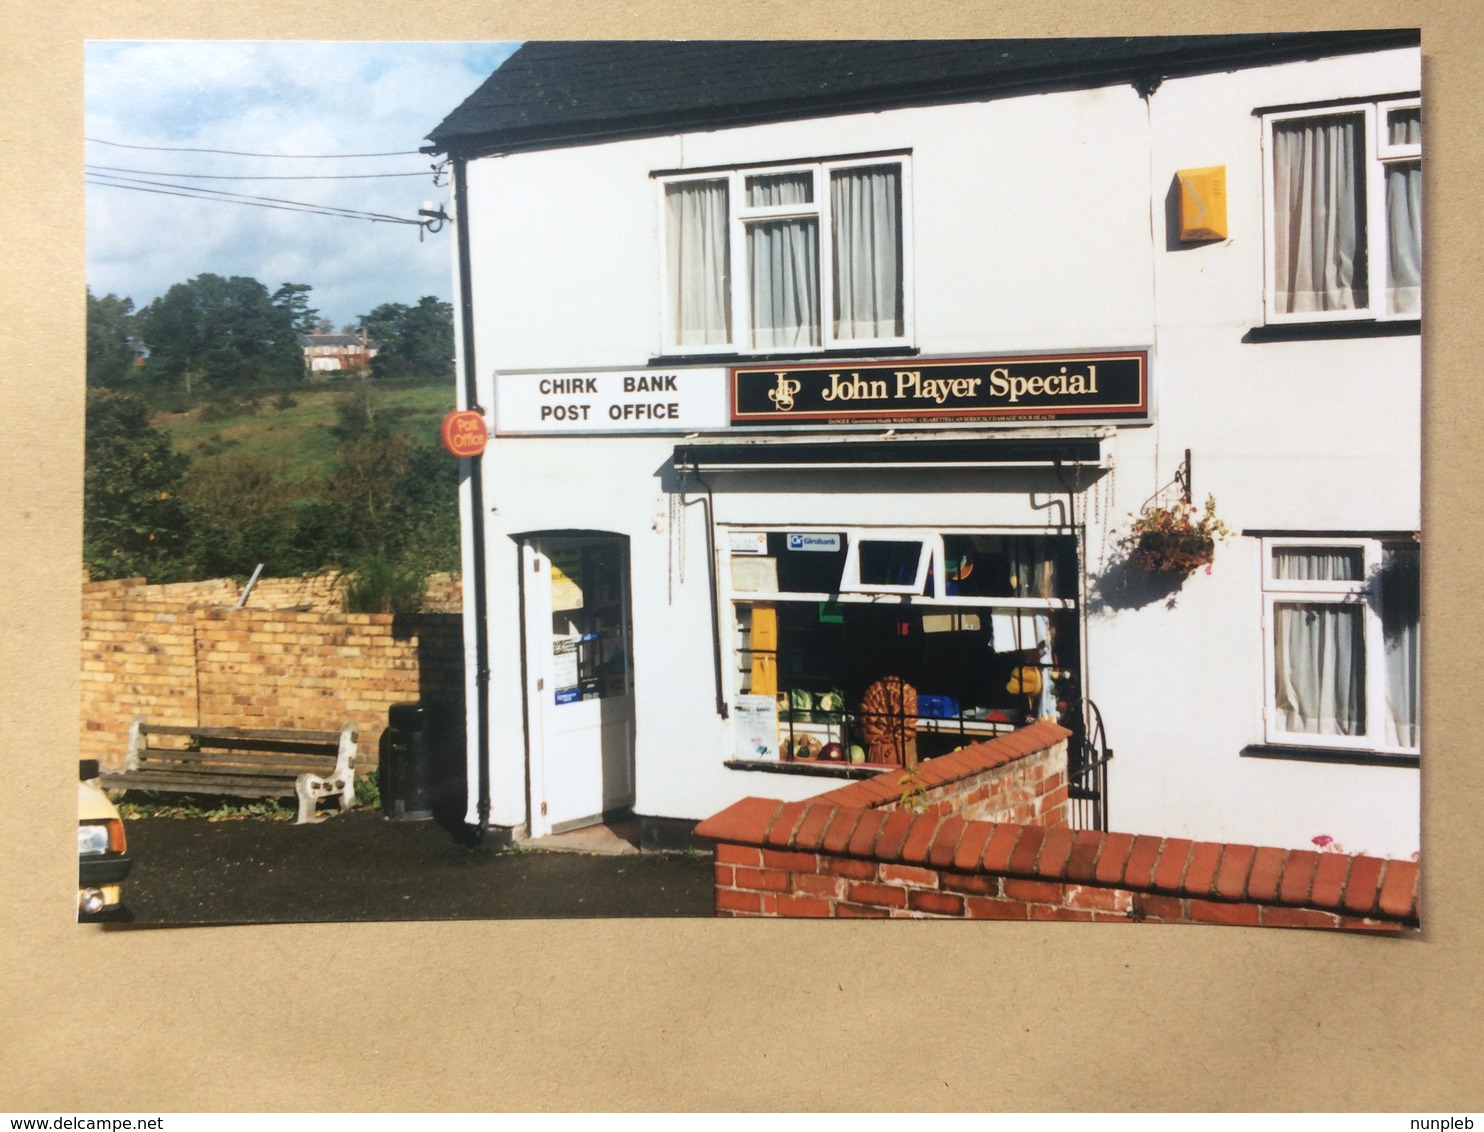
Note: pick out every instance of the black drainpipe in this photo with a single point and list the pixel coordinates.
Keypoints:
(474, 833)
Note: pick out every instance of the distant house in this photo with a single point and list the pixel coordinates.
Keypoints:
(329, 352)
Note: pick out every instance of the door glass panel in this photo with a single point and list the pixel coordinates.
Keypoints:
(589, 628)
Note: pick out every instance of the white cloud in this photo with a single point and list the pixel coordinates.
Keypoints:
(273, 98)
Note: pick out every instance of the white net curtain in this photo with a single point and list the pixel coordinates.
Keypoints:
(865, 211)
(696, 218)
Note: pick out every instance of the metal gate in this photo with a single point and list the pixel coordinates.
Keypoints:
(1088, 754)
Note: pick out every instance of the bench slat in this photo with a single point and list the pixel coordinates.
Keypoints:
(250, 734)
(285, 754)
(190, 760)
(200, 784)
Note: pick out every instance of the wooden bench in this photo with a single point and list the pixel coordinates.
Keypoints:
(240, 762)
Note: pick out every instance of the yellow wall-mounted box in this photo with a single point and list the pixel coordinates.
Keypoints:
(1203, 203)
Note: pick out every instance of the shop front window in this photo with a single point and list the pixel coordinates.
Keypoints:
(883, 647)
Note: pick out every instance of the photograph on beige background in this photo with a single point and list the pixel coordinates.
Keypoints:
(973, 479)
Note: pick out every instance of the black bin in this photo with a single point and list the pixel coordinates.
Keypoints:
(406, 752)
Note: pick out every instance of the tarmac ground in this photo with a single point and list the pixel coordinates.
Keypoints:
(361, 865)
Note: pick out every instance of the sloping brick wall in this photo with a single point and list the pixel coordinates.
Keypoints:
(188, 665)
(1020, 777)
(857, 852)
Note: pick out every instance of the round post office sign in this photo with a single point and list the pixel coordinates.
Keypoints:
(465, 433)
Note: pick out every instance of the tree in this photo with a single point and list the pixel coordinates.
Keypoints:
(110, 348)
(133, 522)
(414, 342)
(225, 332)
(293, 300)
(241, 510)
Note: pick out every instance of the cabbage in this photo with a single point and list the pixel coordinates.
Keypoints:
(800, 700)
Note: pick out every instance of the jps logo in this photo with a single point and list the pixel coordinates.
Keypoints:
(782, 395)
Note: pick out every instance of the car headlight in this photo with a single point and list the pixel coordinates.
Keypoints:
(95, 838)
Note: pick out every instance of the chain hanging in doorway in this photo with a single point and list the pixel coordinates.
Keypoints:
(675, 545)
(680, 549)
(670, 548)
(1104, 496)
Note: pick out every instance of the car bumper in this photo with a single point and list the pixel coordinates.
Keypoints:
(99, 889)
(110, 868)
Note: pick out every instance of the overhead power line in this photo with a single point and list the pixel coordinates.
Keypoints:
(242, 153)
(195, 192)
(253, 176)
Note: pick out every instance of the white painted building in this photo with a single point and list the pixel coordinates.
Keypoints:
(808, 365)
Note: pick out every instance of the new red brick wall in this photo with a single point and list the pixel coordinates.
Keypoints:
(181, 664)
(857, 852)
(1020, 777)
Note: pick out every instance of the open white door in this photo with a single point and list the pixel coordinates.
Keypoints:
(579, 681)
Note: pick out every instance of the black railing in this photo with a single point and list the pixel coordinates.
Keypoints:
(1088, 755)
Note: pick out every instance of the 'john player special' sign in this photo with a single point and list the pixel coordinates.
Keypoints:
(1112, 386)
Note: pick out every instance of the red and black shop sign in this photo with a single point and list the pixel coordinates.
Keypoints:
(1103, 386)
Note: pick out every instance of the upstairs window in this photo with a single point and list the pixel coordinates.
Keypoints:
(1344, 201)
(788, 259)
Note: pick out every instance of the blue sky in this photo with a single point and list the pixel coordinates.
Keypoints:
(278, 98)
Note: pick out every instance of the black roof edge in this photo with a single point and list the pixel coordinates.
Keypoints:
(1146, 72)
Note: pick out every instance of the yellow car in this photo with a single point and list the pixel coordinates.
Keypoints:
(102, 849)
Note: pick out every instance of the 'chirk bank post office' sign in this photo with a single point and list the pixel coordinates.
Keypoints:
(1105, 386)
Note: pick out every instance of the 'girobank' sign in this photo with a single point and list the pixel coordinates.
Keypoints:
(1104, 386)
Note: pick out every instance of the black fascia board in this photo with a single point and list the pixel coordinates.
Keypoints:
(1048, 65)
(824, 453)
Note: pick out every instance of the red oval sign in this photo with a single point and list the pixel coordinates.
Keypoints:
(464, 432)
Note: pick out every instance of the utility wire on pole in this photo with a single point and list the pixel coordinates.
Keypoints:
(196, 192)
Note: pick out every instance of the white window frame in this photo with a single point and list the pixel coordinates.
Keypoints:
(818, 209)
(1378, 259)
(1277, 591)
(929, 557)
(932, 537)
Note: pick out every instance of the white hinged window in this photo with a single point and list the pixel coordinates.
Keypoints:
(1342, 628)
(787, 259)
(1343, 198)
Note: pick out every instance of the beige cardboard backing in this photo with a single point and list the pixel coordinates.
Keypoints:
(700, 1014)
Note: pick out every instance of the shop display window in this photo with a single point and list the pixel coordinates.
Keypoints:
(882, 647)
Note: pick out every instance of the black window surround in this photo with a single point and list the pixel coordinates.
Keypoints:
(1327, 755)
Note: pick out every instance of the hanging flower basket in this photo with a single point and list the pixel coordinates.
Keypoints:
(1176, 540)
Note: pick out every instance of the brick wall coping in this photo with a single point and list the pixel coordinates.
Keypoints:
(850, 822)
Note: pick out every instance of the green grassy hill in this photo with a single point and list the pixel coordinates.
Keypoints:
(299, 436)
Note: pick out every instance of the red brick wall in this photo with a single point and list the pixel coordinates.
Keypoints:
(1020, 778)
(179, 664)
(857, 853)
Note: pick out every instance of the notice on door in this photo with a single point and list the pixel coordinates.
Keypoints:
(613, 401)
(566, 580)
(564, 670)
